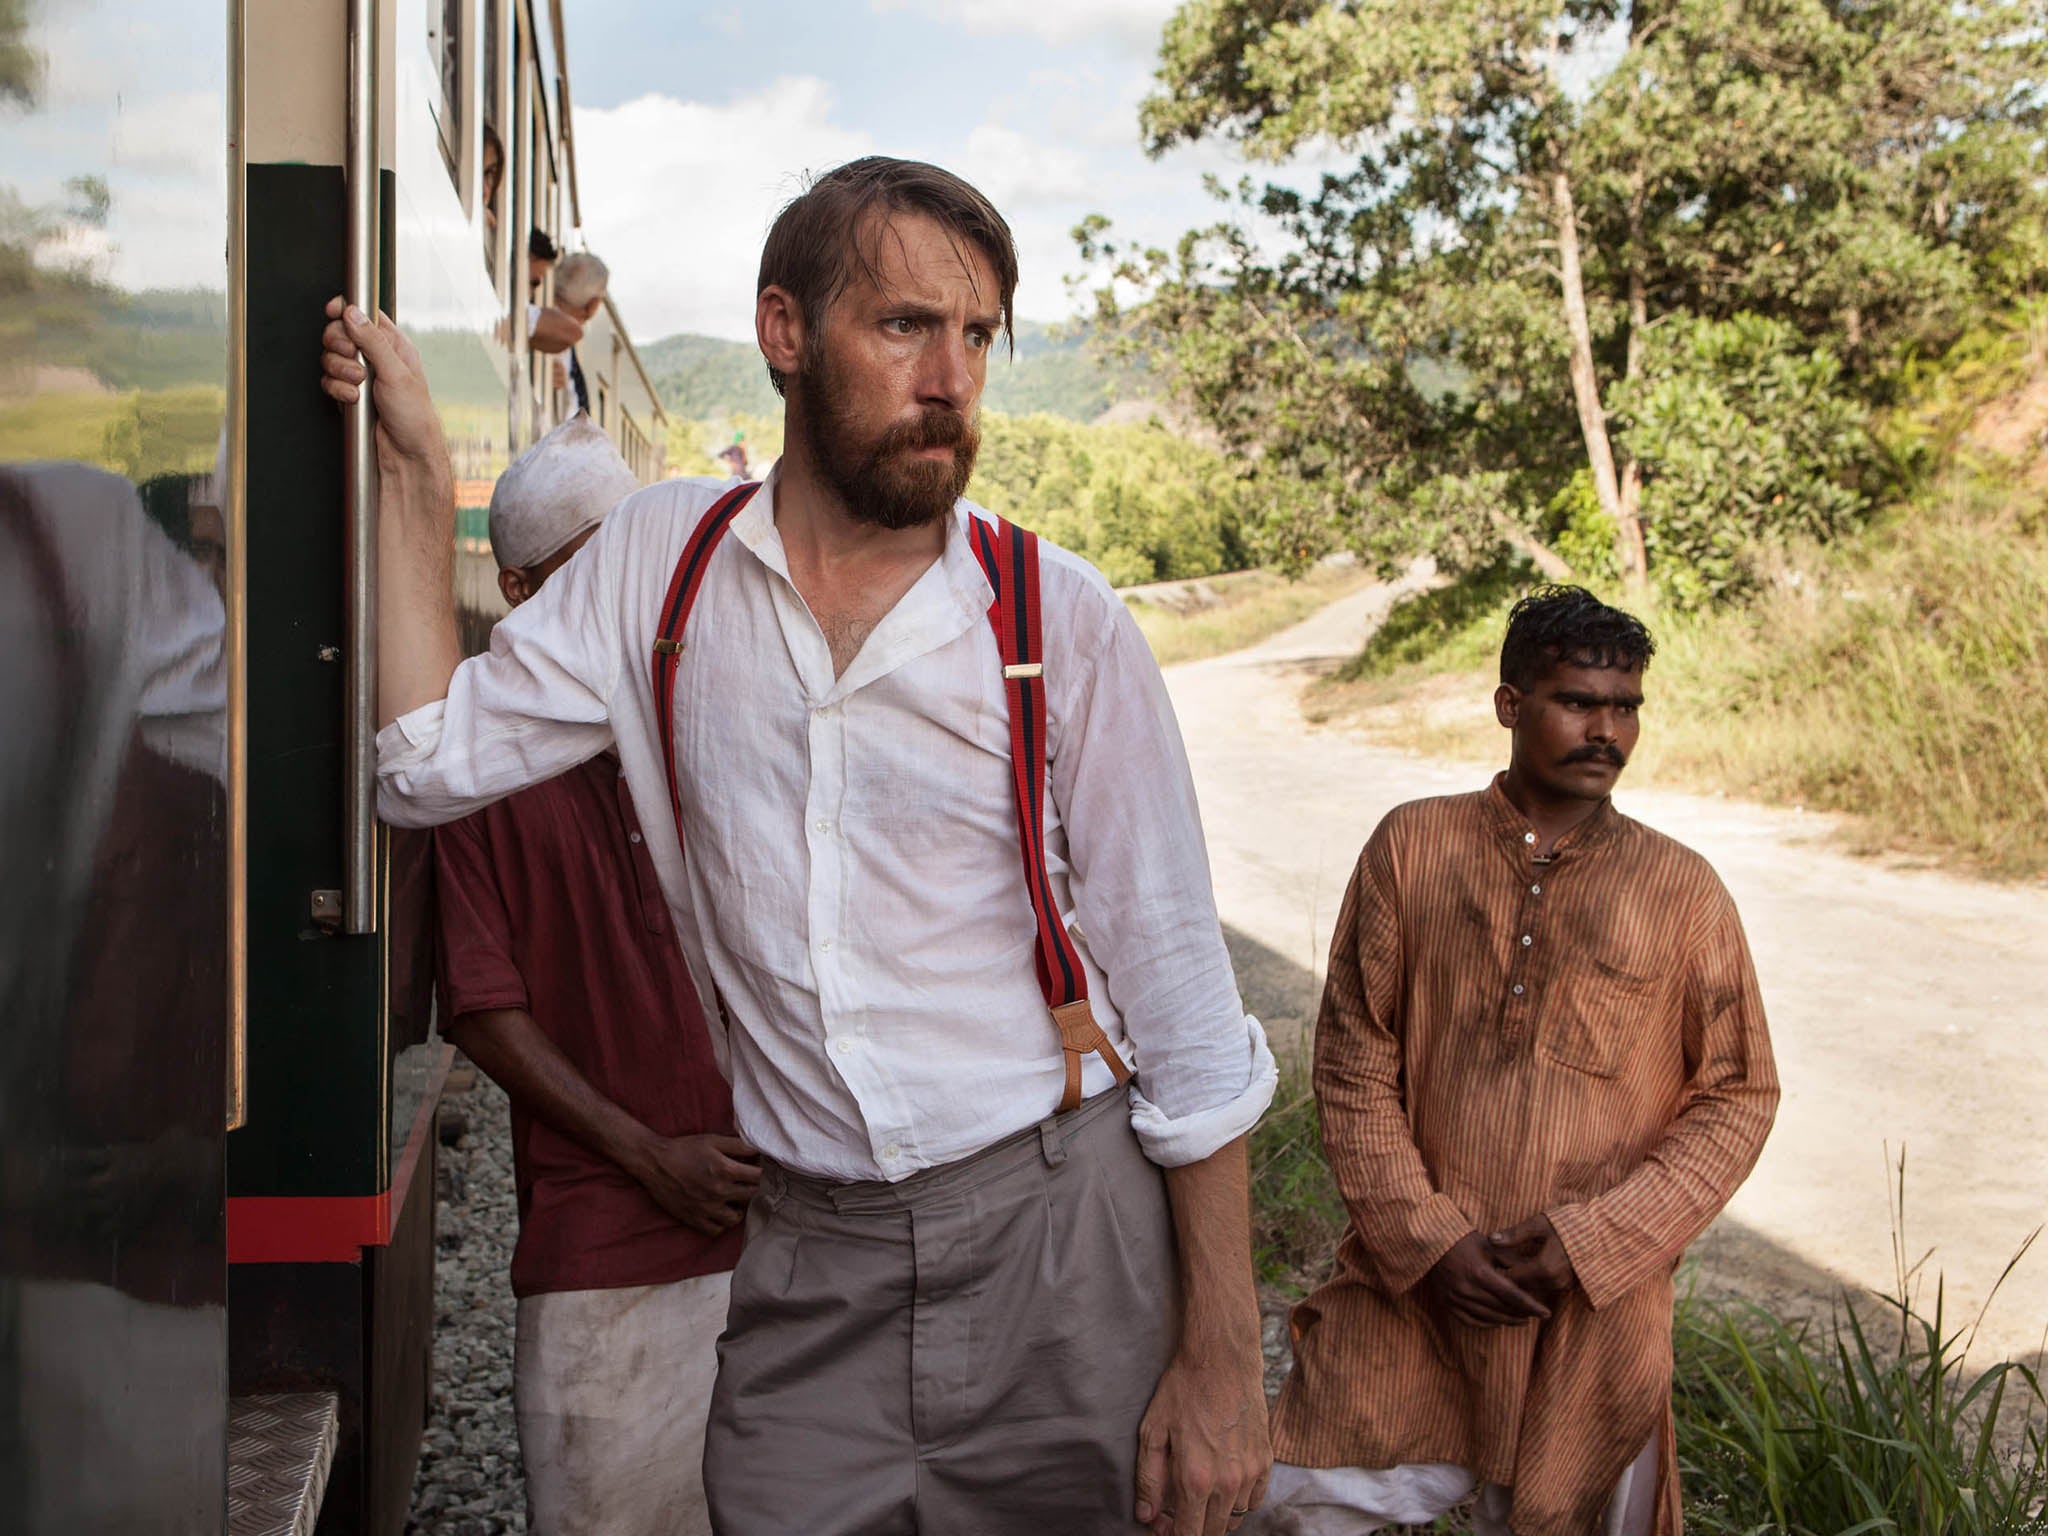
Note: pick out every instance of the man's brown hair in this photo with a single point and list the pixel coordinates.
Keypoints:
(825, 235)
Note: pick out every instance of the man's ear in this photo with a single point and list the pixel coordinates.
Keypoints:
(779, 328)
(1507, 705)
(513, 583)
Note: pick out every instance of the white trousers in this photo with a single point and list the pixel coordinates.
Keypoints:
(1351, 1501)
(611, 1389)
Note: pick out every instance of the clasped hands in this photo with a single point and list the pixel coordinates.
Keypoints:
(1498, 1280)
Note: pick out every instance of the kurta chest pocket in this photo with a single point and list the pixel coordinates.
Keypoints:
(1596, 1014)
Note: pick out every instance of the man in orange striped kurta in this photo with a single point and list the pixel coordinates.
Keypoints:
(1542, 1069)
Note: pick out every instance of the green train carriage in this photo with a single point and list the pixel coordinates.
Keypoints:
(219, 1075)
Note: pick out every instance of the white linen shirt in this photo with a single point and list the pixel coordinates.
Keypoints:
(854, 888)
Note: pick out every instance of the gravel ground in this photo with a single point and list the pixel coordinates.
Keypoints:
(469, 1481)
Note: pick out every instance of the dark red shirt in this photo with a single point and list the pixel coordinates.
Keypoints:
(549, 902)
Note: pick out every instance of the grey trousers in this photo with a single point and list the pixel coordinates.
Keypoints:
(965, 1353)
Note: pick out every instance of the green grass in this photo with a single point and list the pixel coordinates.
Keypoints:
(1876, 1422)
(1248, 606)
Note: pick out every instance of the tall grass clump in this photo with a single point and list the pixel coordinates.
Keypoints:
(1876, 1424)
(1905, 679)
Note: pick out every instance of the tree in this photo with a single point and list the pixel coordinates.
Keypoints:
(1539, 185)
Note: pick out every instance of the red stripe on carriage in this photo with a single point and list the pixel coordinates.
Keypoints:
(306, 1229)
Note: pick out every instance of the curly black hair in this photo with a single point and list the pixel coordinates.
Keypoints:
(1559, 625)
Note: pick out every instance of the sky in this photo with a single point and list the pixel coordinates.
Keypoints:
(694, 122)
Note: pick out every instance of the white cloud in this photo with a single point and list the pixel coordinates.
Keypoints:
(1131, 22)
(677, 196)
(1019, 171)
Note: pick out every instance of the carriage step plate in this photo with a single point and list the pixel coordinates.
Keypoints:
(280, 1446)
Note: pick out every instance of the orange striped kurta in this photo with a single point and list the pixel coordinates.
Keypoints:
(1498, 1037)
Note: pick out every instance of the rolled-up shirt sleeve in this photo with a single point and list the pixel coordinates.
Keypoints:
(1141, 893)
(534, 705)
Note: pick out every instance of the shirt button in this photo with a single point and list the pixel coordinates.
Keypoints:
(890, 1154)
(632, 837)
(1535, 890)
(1528, 837)
(843, 1046)
(825, 946)
(821, 826)
(1527, 941)
(1518, 989)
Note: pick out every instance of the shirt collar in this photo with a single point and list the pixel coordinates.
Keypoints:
(1516, 831)
(754, 526)
(947, 600)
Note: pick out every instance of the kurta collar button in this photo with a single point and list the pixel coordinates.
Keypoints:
(1528, 837)
(1535, 890)
(1527, 941)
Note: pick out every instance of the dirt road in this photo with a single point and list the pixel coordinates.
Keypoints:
(1908, 1007)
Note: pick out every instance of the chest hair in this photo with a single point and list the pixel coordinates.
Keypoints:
(845, 634)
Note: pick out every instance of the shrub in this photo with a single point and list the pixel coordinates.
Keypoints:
(1747, 437)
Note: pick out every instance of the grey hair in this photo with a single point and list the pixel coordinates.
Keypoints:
(579, 279)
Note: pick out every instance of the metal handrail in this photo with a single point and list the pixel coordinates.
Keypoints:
(361, 167)
(235, 515)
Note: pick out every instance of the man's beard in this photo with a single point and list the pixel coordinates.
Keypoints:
(874, 478)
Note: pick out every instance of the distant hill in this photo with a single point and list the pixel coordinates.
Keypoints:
(701, 377)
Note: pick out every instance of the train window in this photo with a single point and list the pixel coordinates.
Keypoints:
(444, 41)
(491, 170)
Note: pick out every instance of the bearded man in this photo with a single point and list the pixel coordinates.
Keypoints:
(962, 1307)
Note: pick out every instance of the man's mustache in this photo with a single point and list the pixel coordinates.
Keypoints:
(1597, 754)
(936, 427)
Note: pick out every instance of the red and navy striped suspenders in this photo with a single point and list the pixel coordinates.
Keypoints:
(675, 616)
(1009, 556)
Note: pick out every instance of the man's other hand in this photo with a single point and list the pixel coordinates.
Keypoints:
(1203, 1452)
(1467, 1283)
(352, 350)
(704, 1182)
(1532, 1255)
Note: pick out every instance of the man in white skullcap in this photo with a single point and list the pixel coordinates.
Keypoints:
(564, 983)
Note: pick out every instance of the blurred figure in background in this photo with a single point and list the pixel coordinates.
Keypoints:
(564, 982)
(579, 293)
(547, 328)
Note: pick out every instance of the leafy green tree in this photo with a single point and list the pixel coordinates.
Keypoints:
(1539, 186)
(1142, 503)
(1740, 429)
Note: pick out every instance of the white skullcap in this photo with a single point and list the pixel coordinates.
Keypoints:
(560, 486)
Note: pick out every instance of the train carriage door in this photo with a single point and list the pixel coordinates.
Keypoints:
(119, 497)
